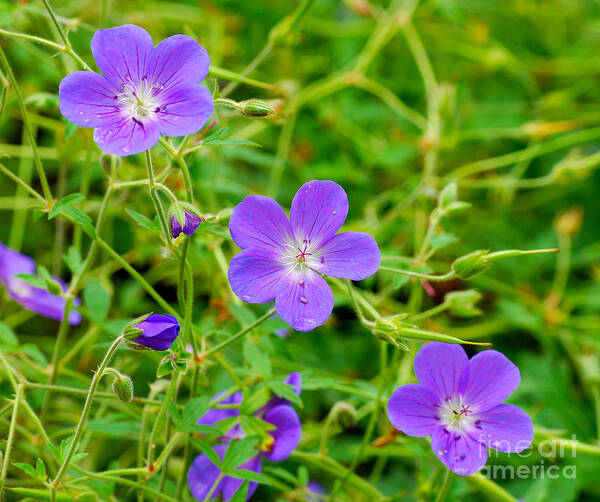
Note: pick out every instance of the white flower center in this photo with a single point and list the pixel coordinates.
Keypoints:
(301, 255)
(140, 100)
(457, 415)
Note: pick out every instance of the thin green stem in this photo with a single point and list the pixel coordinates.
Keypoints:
(441, 496)
(86, 411)
(428, 277)
(10, 439)
(158, 421)
(29, 128)
(156, 199)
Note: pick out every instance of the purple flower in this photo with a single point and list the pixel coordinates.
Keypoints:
(283, 441)
(37, 300)
(458, 404)
(282, 259)
(316, 492)
(189, 227)
(159, 331)
(143, 92)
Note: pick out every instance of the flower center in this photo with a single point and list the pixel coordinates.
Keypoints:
(139, 101)
(456, 415)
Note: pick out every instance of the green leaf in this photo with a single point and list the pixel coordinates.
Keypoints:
(192, 410)
(209, 452)
(97, 300)
(27, 469)
(250, 476)
(35, 353)
(143, 221)
(7, 336)
(73, 259)
(259, 361)
(286, 391)
(442, 239)
(40, 468)
(81, 219)
(61, 204)
(239, 452)
(32, 280)
(241, 494)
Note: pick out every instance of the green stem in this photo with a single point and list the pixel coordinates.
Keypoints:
(213, 487)
(29, 128)
(238, 335)
(155, 198)
(158, 421)
(441, 496)
(10, 439)
(86, 411)
(419, 275)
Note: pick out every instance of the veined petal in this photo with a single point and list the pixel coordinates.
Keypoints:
(458, 451)
(349, 255)
(413, 409)
(185, 110)
(306, 300)
(491, 379)
(259, 222)
(504, 428)
(177, 60)
(439, 366)
(88, 99)
(318, 211)
(256, 275)
(287, 434)
(127, 136)
(122, 53)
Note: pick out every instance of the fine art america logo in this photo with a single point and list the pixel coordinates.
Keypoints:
(549, 450)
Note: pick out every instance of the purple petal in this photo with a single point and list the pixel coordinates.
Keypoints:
(505, 428)
(413, 409)
(491, 379)
(40, 301)
(184, 110)
(122, 53)
(88, 99)
(287, 434)
(158, 331)
(259, 222)
(349, 255)
(315, 490)
(13, 262)
(203, 474)
(318, 211)
(306, 300)
(256, 275)
(192, 222)
(295, 380)
(127, 136)
(177, 60)
(439, 366)
(211, 417)
(459, 452)
(231, 485)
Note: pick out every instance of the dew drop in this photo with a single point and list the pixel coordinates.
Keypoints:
(80, 113)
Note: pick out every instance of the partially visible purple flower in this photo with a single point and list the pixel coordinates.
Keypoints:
(144, 91)
(282, 259)
(37, 300)
(283, 441)
(159, 331)
(458, 403)
(189, 227)
(316, 492)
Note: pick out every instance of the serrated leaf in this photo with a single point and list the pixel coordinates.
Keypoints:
(192, 411)
(27, 469)
(143, 221)
(7, 336)
(241, 494)
(81, 219)
(239, 452)
(97, 300)
(259, 361)
(286, 391)
(209, 452)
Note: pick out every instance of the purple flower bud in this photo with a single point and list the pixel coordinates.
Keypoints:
(158, 331)
(191, 224)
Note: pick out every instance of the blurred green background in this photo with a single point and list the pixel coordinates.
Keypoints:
(393, 102)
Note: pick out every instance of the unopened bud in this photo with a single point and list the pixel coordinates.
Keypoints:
(470, 265)
(256, 108)
(447, 195)
(122, 386)
(462, 303)
(346, 414)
